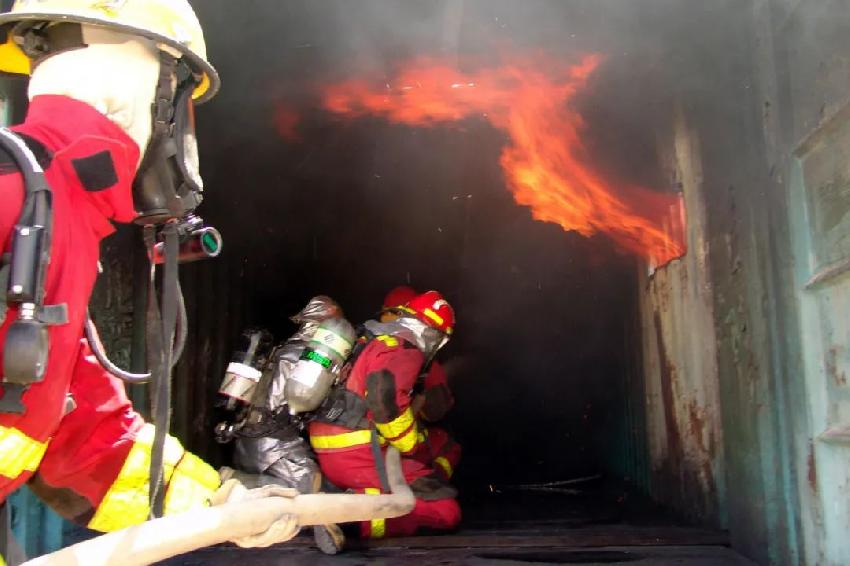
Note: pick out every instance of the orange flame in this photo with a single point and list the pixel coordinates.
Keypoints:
(545, 164)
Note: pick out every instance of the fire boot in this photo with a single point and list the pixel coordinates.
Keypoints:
(329, 538)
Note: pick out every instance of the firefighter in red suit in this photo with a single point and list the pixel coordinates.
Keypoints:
(95, 66)
(432, 403)
(377, 400)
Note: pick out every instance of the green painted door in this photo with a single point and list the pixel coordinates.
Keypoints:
(820, 214)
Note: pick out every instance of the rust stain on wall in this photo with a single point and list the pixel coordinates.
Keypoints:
(812, 469)
(703, 434)
(680, 360)
(839, 377)
(668, 372)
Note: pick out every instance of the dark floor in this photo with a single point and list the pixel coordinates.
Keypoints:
(599, 525)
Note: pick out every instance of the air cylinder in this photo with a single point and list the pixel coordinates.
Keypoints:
(319, 365)
(245, 369)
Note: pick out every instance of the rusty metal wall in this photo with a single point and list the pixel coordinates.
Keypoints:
(685, 442)
(218, 297)
(719, 327)
(745, 340)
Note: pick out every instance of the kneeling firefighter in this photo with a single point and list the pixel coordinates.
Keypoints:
(278, 393)
(432, 398)
(108, 138)
(371, 409)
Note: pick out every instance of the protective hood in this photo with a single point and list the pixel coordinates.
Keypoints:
(319, 308)
(95, 158)
(114, 73)
(429, 340)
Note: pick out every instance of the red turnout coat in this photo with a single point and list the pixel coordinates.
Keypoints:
(88, 457)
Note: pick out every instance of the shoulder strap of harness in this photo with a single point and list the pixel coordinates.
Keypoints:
(341, 406)
(26, 345)
(366, 336)
(345, 408)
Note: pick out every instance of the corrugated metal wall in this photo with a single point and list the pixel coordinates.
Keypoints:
(718, 383)
(219, 299)
(685, 441)
(745, 341)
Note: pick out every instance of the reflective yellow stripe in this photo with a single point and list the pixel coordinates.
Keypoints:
(398, 426)
(402, 431)
(343, 440)
(378, 527)
(190, 483)
(390, 341)
(408, 441)
(19, 452)
(443, 463)
(434, 316)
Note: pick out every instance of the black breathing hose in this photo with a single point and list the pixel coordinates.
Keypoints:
(138, 378)
(182, 327)
(100, 353)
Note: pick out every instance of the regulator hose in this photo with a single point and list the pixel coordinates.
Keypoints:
(138, 378)
(182, 327)
(100, 353)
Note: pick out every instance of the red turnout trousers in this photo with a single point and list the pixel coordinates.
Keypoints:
(355, 469)
(439, 451)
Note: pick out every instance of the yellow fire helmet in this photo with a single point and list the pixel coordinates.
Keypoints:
(166, 22)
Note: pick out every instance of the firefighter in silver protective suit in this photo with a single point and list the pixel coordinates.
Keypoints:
(271, 442)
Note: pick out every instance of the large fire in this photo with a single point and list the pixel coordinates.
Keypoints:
(545, 163)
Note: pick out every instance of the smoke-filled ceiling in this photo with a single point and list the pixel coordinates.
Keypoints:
(502, 152)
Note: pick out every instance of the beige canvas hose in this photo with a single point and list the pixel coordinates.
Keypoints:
(172, 535)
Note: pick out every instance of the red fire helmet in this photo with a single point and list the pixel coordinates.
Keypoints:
(432, 308)
(399, 297)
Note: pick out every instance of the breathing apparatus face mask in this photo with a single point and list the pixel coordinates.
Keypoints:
(168, 185)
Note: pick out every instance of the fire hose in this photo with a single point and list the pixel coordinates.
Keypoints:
(169, 536)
